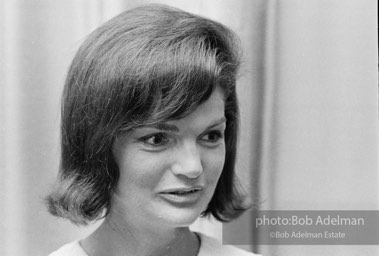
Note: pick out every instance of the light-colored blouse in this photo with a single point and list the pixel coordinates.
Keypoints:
(209, 246)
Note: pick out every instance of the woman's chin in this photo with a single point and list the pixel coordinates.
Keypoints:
(174, 217)
(179, 218)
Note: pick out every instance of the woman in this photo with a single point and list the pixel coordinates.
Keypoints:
(149, 130)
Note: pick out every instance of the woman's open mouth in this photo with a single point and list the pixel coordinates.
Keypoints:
(182, 196)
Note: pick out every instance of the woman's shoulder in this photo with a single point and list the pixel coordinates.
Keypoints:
(210, 246)
(70, 249)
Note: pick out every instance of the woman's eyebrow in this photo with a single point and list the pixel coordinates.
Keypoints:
(174, 128)
(217, 122)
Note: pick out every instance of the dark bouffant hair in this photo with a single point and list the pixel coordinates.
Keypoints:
(147, 65)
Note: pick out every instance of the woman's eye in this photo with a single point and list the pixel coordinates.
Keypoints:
(212, 136)
(158, 139)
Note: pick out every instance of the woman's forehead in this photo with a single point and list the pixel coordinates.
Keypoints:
(209, 113)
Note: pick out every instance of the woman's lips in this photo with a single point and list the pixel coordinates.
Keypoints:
(182, 195)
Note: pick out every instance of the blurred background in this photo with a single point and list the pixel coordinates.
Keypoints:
(309, 109)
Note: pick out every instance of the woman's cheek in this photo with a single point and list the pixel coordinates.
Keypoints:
(215, 163)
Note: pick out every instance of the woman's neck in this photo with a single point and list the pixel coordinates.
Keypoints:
(115, 237)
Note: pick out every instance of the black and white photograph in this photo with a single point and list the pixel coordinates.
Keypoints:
(189, 128)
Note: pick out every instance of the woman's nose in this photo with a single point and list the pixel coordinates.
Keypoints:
(188, 162)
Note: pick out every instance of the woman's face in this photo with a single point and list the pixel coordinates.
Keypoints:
(169, 172)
